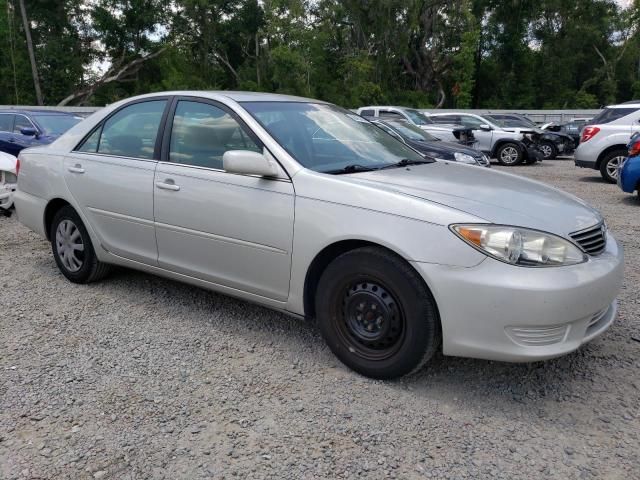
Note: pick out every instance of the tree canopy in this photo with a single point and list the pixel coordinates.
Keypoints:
(424, 53)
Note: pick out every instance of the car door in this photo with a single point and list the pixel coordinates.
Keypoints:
(483, 136)
(230, 229)
(7, 140)
(110, 176)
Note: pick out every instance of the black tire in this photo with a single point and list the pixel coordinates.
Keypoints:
(89, 268)
(606, 166)
(376, 314)
(505, 154)
(549, 150)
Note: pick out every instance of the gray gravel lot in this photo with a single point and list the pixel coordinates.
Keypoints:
(141, 377)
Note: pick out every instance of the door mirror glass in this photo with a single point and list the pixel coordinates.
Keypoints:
(247, 162)
(485, 127)
(29, 131)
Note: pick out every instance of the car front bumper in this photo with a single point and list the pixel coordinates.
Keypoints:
(6, 195)
(497, 311)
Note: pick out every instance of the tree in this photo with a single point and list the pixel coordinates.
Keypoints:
(32, 57)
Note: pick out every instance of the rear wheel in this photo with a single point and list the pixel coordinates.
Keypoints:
(549, 150)
(376, 314)
(72, 248)
(509, 154)
(610, 164)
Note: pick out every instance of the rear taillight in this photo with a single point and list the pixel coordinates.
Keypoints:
(634, 149)
(18, 166)
(588, 133)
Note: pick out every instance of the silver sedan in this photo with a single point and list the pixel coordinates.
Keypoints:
(307, 208)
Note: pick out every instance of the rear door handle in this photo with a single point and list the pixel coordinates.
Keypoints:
(77, 168)
(12, 140)
(168, 186)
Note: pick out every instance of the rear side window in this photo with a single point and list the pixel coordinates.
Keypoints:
(608, 115)
(131, 132)
(388, 114)
(368, 113)
(445, 118)
(202, 133)
(6, 122)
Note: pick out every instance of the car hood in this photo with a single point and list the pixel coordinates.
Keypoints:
(496, 197)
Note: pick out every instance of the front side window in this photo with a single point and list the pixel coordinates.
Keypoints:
(131, 132)
(56, 124)
(6, 122)
(472, 122)
(412, 132)
(202, 133)
(389, 114)
(609, 115)
(326, 138)
(445, 119)
(21, 122)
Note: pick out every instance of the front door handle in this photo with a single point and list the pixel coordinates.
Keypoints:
(12, 140)
(168, 185)
(77, 168)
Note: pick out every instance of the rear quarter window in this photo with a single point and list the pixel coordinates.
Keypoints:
(609, 115)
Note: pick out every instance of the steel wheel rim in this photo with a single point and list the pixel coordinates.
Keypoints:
(546, 150)
(614, 164)
(509, 155)
(69, 245)
(371, 322)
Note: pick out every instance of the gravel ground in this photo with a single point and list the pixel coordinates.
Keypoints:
(141, 377)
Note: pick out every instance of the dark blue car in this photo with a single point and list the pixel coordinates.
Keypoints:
(27, 128)
(629, 174)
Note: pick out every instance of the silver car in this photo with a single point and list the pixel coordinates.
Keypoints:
(307, 208)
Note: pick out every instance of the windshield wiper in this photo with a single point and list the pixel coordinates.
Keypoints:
(404, 162)
(353, 168)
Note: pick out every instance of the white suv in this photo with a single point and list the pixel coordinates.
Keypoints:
(603, 144)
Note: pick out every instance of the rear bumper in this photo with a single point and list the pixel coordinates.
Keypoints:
(30, 211)
(585, 163)
(496, 311)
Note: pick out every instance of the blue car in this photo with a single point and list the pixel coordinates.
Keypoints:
(629, 174)
(27, 128)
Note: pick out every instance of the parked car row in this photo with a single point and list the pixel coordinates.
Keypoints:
(310, 209)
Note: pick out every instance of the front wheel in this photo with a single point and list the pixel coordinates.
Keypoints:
(376, 314)
(610, 164)
(549, 150)
(510, 154)
(72, 248)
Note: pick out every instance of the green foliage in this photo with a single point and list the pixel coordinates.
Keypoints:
(422, 53)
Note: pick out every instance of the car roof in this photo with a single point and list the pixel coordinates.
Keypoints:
(629, 104)
(39, 112)
(233, 95)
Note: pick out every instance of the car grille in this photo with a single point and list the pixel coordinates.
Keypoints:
(537, 336)
(592, 240)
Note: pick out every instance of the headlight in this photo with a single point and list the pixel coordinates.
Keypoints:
(464, 158)
(520, 246)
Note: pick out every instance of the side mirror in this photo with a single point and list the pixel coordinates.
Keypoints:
(247, 162)
(29, 131)
(485, 127)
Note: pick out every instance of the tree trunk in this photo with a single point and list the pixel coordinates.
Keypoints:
(32, 57)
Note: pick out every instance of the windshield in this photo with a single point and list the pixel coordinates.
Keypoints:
(56, 124)
(412, 132)
(610, 114)
(326, 138)
(417, 117)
